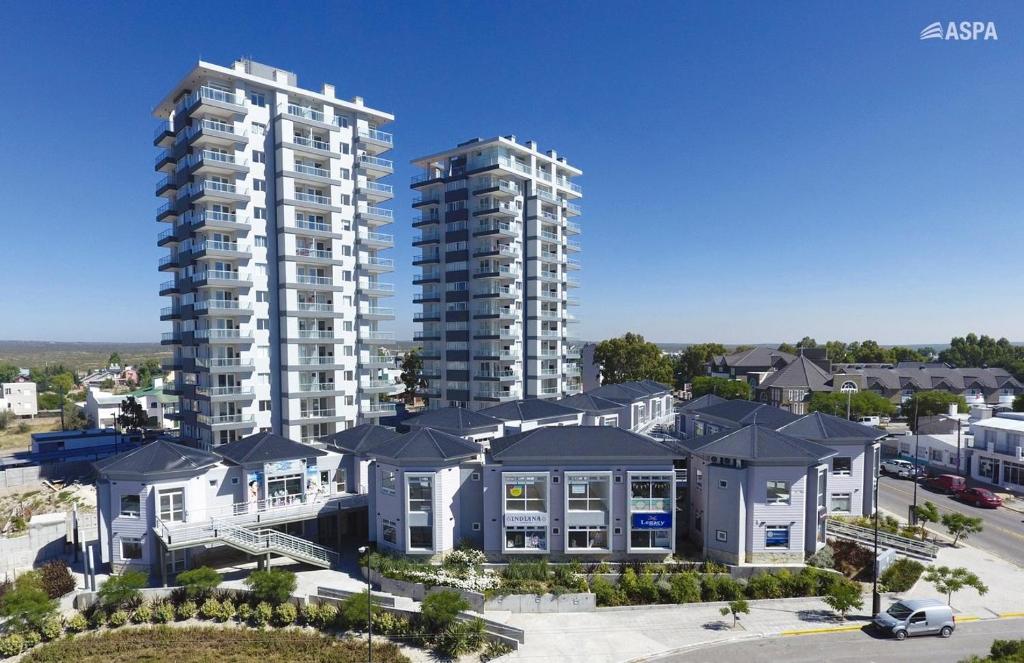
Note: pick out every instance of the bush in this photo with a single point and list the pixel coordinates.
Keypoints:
(163, 612)
(12, 645)
(685, 587)
(273, 586)
(187, 610)
(57, 579)
(605, 593)
(354, 609)
(97, 618)
(901, 575)
(822, 559)
(244, 612)
(209, 609)
(26, 604)
(32, 638)
(142, 615)
(494, 649)
(319, 615)
(850, 557)
(52, 627)
(199, 582)
(439, 609)
(720, 588)
(285, 614)
(123, 591)
(711, 566)
(227, 610)
(844, 595)
(118, 618)
(77, 623)
(517, 571)
(764, 586)
(387, 623)
(262, 614)
(809, 582)
(460, 638)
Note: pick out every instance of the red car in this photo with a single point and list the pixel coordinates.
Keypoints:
(982, 497)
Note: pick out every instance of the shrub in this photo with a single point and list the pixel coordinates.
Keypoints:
(118, 618)
(199, 582)
(77, 623)
(209, 609)
(272, 586)
(822, 559)
(720, 588)
(187, 610)
(310, 614)
(285, 614)
(521, 570)
(244, 612)
(494, 649)
(850, 557)
(97, 618)
(226, 611)
(764, 586)
(32, 638)
(26, 604)
(901, 575)
(320, 615)
(163, 613)
(605, 593)
(603, 568)
(262, 614)
(123, 591)
(52, 627)
(12, 645)
(567, 578)
(460, 638)
(844, 595)
(806, 583)
(142, 615)
(354, 609)
(464, 559)
(684, 587)
(439, 609)
(57, 579)
(387, 623)
(711, 566)
(629, 584)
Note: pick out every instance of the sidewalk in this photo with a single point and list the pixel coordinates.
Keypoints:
(1005, 583)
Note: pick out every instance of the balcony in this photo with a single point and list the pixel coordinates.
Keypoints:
(214, 132)
(304, 113)
(233, 393)
(501, 376)
(379, 410)
(213, 100)
(376, 385)
(210, 161)
(381, 361)
(376, 313)
(167, 211)
(426, 201)
(317, 387)
(494, 313)
(503, 208)
(374, 141)
(221, 307)
(166, 263)
(375, 191)
(164, 162)
(375, 288)
(166, 185)
(497, 229)
(215, 220)
(572, 283)
(221, 278)
(375, 215)
(426, 238)
(496, 395)
(314, 226)
(426, 336)
(503, 272)
(375, 240)
(314, 280)
(426, 316)
(314, 254)
(573, 246)
(426, 220)
(431, 175)
(312, 198)
(163, 135)
(505, 163)
(317, 174)
(225, 421)
(375, 165)
(426, 258)
(424, 297)
(323, 413)
(315, 307)
(498, 293)
(572, 209)
(170, 338)
(223, 335)
(214, 191)
(219, 249)
(170, 313)
(313, 145)
(499, 251)
(318, 360)
(225, 364)
(374, 264)
(426, 277)
(377, 337)
(572, 228)
(169, 288)
(316, 334)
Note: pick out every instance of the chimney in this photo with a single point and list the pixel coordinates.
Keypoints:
(328, 90)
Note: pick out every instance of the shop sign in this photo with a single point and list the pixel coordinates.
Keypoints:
(285, 467)
(526, 518)
(652, 521)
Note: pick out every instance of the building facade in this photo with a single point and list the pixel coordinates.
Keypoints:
(998, 454)
(20, 398)
(274, 209)
(496, 272)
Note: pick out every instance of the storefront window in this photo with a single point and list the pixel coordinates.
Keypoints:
(284, 489)
(526, 538)
(776, 536)
(587, 510)
(592, 537)
(420, 497)
(526, 512)
(650, 505)
(588, 492)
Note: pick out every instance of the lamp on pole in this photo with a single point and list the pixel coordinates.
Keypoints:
(958, 454)
(876, 599)
(917, 452)
(365, 550)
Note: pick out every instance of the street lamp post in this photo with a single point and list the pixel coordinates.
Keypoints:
(365, 550)
(917, 455)
(876, 599)
(958, 452)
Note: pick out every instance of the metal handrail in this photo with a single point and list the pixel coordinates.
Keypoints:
(885, 539)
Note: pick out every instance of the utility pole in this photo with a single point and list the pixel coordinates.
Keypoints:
(917, 451)
(876, 599)
(958, 424)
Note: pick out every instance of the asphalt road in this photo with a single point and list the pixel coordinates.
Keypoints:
(1003, 532)
(863, 646)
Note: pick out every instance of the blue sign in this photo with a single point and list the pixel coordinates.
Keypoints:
(777, 537)
(652, 521)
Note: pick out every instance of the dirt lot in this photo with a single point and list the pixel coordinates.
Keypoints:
(12, 440)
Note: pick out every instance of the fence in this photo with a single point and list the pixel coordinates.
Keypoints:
(865, 535)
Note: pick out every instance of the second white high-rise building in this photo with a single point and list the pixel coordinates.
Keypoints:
(274, 213)
(496, 262)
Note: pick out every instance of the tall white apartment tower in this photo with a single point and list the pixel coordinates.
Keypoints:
(496, 247)
(273, 205)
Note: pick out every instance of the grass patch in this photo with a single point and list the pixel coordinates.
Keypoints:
(12, 440)
(196, 645)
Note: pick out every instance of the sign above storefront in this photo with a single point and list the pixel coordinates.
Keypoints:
(526, 518)
(285, 467)
(652, 520)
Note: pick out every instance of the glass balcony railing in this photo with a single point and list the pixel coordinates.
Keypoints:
(305, 252)
(313, 279)
(312, 225)
(303, 111)
(312, 198)
(378, 187)
(377, 162)
(378, 211)
(379, 136)
(317, 307)
(216, 305)
(312, 170)
(315, 143)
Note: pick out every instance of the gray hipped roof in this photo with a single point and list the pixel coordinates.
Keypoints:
(706, 400)
(266, 447)
(590, 403)
(529, 410)
(425, 445)
(159, 457)
(759, 443)
(801, 372)
(578, 443)
(759, 357)
(455, 420)
(360, 439)
(742, 412)
(627, 392)
(819, 426)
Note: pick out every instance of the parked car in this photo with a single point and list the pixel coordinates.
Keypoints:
(869, 421)
(917, 617)
(903, 469)
(982, 497)
(950, 484)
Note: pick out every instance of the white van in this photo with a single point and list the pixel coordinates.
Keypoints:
(917, 617)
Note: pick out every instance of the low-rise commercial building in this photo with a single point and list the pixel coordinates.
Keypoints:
(998, 454)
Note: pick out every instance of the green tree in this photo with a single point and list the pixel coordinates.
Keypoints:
(114, 360)
(862, 404)
(836, 351)
(63, 383)
(722, 387)
(789, 347)
(132, 416)
(692, 362)
(6, 418)
(120, 592)
(354, 610)
(1018, 403)
(107, 385)
(869, 352)
(735, 608)
(199, 582)
(26, 603)
(806, 343)
(273, 585)
(440, 609)
(973, 351)
(8, 372)
(900, 353)
(843, 595)
(412, 375)
(1002, 651)
(630, 358)
(930, 403)
(73, 417)
(926, 513)
(960, 526)
(949, 581)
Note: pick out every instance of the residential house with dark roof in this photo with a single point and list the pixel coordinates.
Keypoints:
(792, 386)
(641, 405)
(757, 496)
(979, 386)
(459, 421)
(534, 413)
(752, 365)
(719, 415)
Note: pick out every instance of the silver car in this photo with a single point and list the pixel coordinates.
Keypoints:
(917, 617)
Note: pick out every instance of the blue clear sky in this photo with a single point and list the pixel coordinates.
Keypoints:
(753, 171)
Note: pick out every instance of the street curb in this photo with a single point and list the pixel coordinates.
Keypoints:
(968, 618)
(1009, 615)
(815, 631)
(693, 647)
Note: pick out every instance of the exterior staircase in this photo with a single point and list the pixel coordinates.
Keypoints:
(252, 541)
(866, 536)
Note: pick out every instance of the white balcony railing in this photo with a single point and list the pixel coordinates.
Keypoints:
(312, 170)
(317, 198)
(379, 136)
(303, 111)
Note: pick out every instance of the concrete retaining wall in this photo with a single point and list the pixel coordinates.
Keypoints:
(85, 600)
(583, 602)
(342, 594)
(44, 540)
(417, 590)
